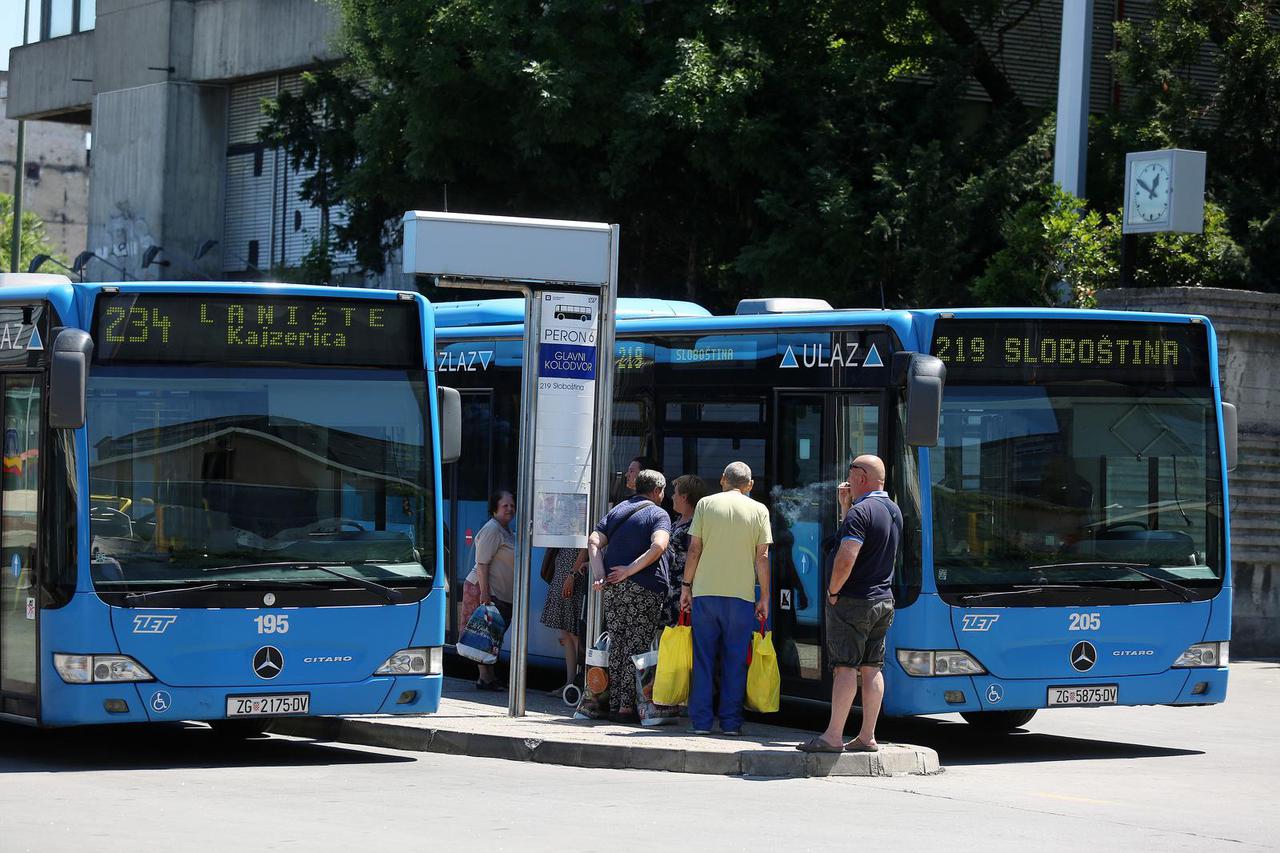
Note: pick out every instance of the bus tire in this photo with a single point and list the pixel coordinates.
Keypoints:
(239, 729)
(997, 722)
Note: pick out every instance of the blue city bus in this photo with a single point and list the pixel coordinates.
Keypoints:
(1062, 477)
(219, 503)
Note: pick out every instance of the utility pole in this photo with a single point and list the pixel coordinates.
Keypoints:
(19, 162)
(1071, 145)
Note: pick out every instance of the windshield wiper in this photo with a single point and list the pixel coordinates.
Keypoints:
(976, 597)
(144, 597)
(1137, 568)
(393, 596)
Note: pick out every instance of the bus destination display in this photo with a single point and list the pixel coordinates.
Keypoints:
(1069, 350)
(203, 328)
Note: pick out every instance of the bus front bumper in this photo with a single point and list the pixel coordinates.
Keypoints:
(155, 701)
(905, 695)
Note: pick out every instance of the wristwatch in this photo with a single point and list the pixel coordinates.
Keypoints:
(686, 583)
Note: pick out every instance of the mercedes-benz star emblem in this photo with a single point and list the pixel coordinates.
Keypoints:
(267, 662)
(269, 599)
(1083, 656)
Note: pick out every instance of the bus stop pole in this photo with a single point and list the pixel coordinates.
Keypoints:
(606, 359)
(524, 505)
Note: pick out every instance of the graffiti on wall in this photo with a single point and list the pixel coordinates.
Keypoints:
(127, 237)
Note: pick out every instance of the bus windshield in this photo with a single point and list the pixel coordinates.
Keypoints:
(1068, 483)
(257, 474)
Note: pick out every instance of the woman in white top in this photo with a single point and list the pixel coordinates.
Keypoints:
(492, 577)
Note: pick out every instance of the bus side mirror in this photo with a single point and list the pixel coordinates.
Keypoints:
(68, 376)
(450, 405)
(1231, 434)
(923, 377)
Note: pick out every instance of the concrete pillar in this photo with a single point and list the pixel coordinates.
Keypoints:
(159, 154)
(1248, 327)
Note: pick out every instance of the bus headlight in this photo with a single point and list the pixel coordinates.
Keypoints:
(923, 663)
(429, 661)
(99, 669)
(1204, 655)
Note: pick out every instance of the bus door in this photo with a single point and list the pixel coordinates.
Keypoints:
(816, 434)
(468, 483)
(23, 413)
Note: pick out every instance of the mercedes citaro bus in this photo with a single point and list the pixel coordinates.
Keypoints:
(219, 503)
(1063, 474)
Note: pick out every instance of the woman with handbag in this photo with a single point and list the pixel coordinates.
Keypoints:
(625, 550)
(562, 569)
(493, 576)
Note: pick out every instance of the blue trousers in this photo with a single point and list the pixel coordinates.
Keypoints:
(722, 629)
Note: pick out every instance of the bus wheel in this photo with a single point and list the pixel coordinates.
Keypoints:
(997, 722)
(239, 729)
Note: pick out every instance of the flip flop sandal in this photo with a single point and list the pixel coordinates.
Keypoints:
(817, 744)
(856, 745)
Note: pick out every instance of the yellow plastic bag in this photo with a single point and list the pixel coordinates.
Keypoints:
(675, 664)
(764, 682)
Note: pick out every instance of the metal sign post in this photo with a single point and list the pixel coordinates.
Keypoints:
(603, 429)
(566, 272)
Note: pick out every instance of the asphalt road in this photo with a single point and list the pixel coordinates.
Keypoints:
(1095, 779)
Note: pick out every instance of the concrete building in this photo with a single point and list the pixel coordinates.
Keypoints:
(55, 176)
(172, 90)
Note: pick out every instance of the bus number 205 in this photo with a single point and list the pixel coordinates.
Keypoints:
(1084, 621)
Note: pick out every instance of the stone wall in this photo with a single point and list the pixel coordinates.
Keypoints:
(1248, 327)
(56, 178)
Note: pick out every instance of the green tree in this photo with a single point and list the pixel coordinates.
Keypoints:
(1058, 251)
(34, 240)
(1234, 117)
(805, 146)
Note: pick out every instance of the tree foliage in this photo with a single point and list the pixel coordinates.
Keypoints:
(807, 147)
(1234, 117)
(34, 241)
(1059, 252)
(796, 146)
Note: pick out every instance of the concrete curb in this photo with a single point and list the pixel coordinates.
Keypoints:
(891, 760)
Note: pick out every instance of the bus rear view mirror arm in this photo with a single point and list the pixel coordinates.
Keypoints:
(68, 376)
(450, 404)
(923, 378)
(1231, 434)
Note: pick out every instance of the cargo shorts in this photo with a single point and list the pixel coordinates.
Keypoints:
(856, 629)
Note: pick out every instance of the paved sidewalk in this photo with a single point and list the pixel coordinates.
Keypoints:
(475, 723)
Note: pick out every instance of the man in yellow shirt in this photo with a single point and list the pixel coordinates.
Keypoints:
(728, 556)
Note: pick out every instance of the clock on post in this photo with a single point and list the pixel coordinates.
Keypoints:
(1164, 191)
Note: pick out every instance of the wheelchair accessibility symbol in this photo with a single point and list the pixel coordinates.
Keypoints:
(995, 693)
(161, 701)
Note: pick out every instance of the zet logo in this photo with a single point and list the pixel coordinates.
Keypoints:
(979, 621)
(146, 624)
